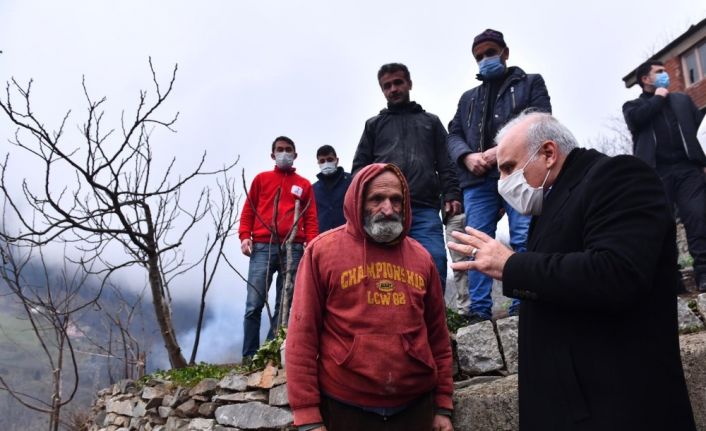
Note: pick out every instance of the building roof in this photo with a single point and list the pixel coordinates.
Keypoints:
(661, 55)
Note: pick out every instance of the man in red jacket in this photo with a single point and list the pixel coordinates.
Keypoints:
(367, 346)
(264, 228)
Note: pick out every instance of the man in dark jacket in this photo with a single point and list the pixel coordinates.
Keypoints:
(663, 127)
(415, 141)
(503, 93)
(330, 189)
(598, 345)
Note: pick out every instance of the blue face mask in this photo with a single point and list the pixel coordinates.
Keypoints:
(662, 80)
(491, 67)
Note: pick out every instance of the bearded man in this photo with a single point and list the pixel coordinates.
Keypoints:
(367, 346)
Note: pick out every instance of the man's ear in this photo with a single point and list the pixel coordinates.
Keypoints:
(551, 152)
(272, 156)
(506, 54)
(295, 154)
(410, 84)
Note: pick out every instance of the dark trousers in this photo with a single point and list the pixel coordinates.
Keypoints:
(343, 417)
(686, 188)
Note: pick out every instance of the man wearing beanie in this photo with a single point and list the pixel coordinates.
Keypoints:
(503, 93)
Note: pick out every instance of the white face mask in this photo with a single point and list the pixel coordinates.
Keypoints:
(327, 168)
(524, 198)
(284, 160)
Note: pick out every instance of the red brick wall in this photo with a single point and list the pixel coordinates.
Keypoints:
(697, 91)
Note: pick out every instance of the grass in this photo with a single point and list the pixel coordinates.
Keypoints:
(269, 352)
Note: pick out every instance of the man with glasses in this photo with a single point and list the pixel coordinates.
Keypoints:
(504, 92)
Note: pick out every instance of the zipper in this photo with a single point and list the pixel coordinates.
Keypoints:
(683, 141)
(512, 92)
(470, 113)
(482, 118)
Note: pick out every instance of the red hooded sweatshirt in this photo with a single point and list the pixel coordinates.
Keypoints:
(368, 321)
(256, 224)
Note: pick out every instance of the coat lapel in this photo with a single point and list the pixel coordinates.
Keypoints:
(578, 162)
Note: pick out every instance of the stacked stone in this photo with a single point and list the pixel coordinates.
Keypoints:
(237, 402)
(486, 398)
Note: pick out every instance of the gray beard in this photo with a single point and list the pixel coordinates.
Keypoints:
(382, 229)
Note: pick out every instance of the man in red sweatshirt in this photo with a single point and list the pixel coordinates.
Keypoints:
(262, 235)
(367, 345)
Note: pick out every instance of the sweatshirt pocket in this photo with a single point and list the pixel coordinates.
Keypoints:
(389, 364)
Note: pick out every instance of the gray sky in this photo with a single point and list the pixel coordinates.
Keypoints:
(252, 70)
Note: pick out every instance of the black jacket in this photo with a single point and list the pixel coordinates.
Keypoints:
(518, 92)
(329, 193)
(598, 341)
(641, 113)
(415, 141)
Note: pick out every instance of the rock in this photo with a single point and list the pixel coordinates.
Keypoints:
(281, 378)
(278, 396)
(200, 424)
(165, 411)
(241, 397)
(121, 421)
(177, 424)
(487, 406)
(253, 416)
(693, 358)
(120, 407)
(701, 304)
(152, 392)
(207, 409)
(475, 381)
(477, 347)
(263, 379)
(109, 419)
(688, 322)
(178, 397)
(126, 386)
(139, 410)
(234, 382)
(189, 409)
(204, 387)
(507, 330)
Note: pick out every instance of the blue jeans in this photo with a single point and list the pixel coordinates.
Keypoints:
(264, 262)
(483, 204)
(429, 231)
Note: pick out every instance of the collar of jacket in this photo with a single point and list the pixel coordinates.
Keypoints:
(285, 172)
(513, 73)
(406, 108)
(333, 177)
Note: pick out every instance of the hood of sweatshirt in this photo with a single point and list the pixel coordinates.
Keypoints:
(354, 201)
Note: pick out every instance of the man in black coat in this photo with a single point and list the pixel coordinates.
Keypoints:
(598, 340)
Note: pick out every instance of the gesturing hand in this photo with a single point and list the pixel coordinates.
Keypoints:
(488, 255)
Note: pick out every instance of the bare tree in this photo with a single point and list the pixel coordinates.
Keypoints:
(616, 141)
(49, 307)
(224, 216)
(116, 198)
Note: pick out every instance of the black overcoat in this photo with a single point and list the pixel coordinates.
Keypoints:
(598, 341)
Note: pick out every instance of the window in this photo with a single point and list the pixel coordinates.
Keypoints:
(694, 63)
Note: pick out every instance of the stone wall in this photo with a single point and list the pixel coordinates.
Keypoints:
(485, 395)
